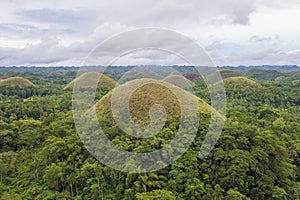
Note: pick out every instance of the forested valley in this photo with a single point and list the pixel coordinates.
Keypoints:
(257, 156)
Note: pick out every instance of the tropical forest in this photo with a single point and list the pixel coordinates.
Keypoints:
(42, 155)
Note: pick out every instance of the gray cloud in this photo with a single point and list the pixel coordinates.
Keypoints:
(58, 16)
(46, 52)
(20, 31)
(68, 30)
(269, 40)
(68, 21)
(258, 57)
(241, 11)
(174, 12)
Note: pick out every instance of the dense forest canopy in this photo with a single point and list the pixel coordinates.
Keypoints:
(256, 157)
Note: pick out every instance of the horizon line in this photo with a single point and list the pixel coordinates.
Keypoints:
(78, 66)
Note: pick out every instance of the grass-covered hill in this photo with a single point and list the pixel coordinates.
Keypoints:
(229, 73)
(240, 84)
(85, 80)
(241, 87)
(226, 73)
(241, 81)
(16, 81)
(263, 75)
(139, 74)
(179, 81)
(293, 76)
(192, 76)
(151, 93)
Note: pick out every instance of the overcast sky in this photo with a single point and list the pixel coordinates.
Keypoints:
(233, 32)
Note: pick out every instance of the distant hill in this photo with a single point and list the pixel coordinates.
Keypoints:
(265, 67)
(192, 76)
(229, 73)
(263, 75)
(16, 81)
(139, 74)
(240, 83)
(226, 73)
(240, 80)
(179, 81)
(293, 76)
(85, 80)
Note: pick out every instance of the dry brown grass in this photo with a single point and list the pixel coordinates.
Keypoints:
(152, 92)
(85, 80)
(16, 81)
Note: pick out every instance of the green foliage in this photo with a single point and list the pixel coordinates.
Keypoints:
(233, 194)
(257, 156)
(156, 195)
(263, 75)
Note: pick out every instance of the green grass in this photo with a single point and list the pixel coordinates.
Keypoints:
(85, 80)
(16, 81)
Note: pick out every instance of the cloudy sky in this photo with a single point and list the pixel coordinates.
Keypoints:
(233, 32)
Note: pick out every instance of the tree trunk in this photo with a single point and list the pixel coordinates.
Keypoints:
(71, 186)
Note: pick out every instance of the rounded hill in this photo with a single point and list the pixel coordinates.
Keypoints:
(224, 74)
(139, 74)
(16, 81)
(241, 81)
(179, 81)
(264, 75)
(85, 81)
(229, 73)
(151, 92)
(237, 87)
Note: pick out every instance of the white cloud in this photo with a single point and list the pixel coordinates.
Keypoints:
(233, 32)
